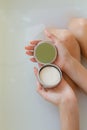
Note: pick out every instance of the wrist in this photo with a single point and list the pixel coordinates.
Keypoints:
(68, 64)
(69, 100)
(69, 114)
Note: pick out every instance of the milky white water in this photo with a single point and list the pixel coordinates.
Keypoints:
(21, 107)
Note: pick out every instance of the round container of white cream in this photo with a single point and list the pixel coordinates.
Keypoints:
(49, 75)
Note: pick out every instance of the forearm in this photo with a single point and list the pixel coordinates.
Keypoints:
(77, 73)
(70, 81)
(69, 115)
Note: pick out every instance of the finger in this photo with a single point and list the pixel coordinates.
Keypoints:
(39, 87)
(49, 35)
(36, 72)
(56, 41)
(52, 37)
(29, 47)
(41, 91)
(29, 53)
(35, 42)
(33, 60)
(40, 65)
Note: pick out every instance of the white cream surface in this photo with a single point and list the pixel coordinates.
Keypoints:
(50, 76)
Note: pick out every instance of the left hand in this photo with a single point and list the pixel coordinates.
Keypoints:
(62, 93)
(63, 53)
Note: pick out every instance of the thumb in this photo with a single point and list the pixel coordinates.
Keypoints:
(36, 72)
(52, 36)
(56, 41)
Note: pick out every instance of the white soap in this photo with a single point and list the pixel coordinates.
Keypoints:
(50, 76)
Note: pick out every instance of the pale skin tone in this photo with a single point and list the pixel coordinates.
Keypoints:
(78, 73)
(63, 95)
(78, 27)
(70, 43)
(68, 40)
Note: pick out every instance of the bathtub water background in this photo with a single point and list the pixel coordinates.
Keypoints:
(21, 108)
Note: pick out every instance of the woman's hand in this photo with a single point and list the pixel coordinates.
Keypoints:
(63, 54)
(68, 40)
(62, 95)
(58, 95)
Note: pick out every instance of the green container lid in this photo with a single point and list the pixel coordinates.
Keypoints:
(45, 52)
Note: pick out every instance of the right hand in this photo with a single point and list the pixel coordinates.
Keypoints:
(60, 95)
(63, 54)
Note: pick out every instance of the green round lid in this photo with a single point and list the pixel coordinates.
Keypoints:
(45, 52)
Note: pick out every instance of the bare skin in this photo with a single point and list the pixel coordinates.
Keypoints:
(66, 38)
(69, 41)
(74, 69)
(63, 95)
(78, 26)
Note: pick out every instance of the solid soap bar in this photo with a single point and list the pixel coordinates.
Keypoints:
(45, 52)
